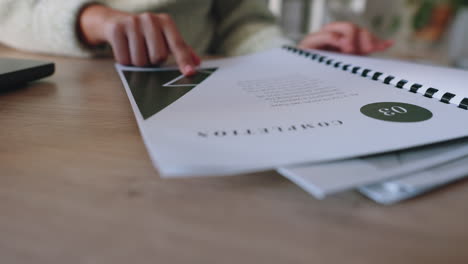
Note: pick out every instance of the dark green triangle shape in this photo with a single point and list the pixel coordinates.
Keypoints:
(150, 93)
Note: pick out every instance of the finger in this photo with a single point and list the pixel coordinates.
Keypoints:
(136, 42)
(155, 43)
(196, 59)
(367, 42)
(350, 33)
(177, 45)
(384, 44)
(118, 40)
(322, 40)
(370, 43)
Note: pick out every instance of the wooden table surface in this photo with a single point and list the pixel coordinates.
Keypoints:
(77, 186)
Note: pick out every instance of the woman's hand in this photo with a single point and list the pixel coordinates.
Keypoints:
(140, 40)
(345, 37)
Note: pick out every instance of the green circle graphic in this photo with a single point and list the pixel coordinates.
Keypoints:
(396, 112)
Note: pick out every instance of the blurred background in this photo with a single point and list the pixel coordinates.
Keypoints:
(433, 31)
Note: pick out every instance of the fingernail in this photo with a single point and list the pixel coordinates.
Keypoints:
(188, 69)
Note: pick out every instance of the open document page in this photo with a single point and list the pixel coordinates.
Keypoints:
(274, 109)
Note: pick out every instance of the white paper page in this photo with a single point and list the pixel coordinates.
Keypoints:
(273, 109)
(443, 174)
(327, 178)
(397, 190)
(444, 79)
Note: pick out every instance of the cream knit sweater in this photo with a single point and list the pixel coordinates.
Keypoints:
(226, 27)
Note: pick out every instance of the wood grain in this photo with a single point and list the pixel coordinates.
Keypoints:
(77, 186)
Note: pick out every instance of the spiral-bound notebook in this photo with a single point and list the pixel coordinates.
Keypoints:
(284, 107)
(447, 85)
(328, 178)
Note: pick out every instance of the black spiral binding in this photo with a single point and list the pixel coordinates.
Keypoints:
(377, 76)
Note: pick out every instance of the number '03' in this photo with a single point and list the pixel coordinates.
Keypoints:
(393, 110)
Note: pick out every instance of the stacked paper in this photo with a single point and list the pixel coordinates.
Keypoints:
(328, 122)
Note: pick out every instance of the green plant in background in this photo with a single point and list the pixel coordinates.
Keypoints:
(432, 17)
(426, 8)
(423, 15)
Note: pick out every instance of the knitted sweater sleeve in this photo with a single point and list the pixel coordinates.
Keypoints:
(245, 26)
(48, 26)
